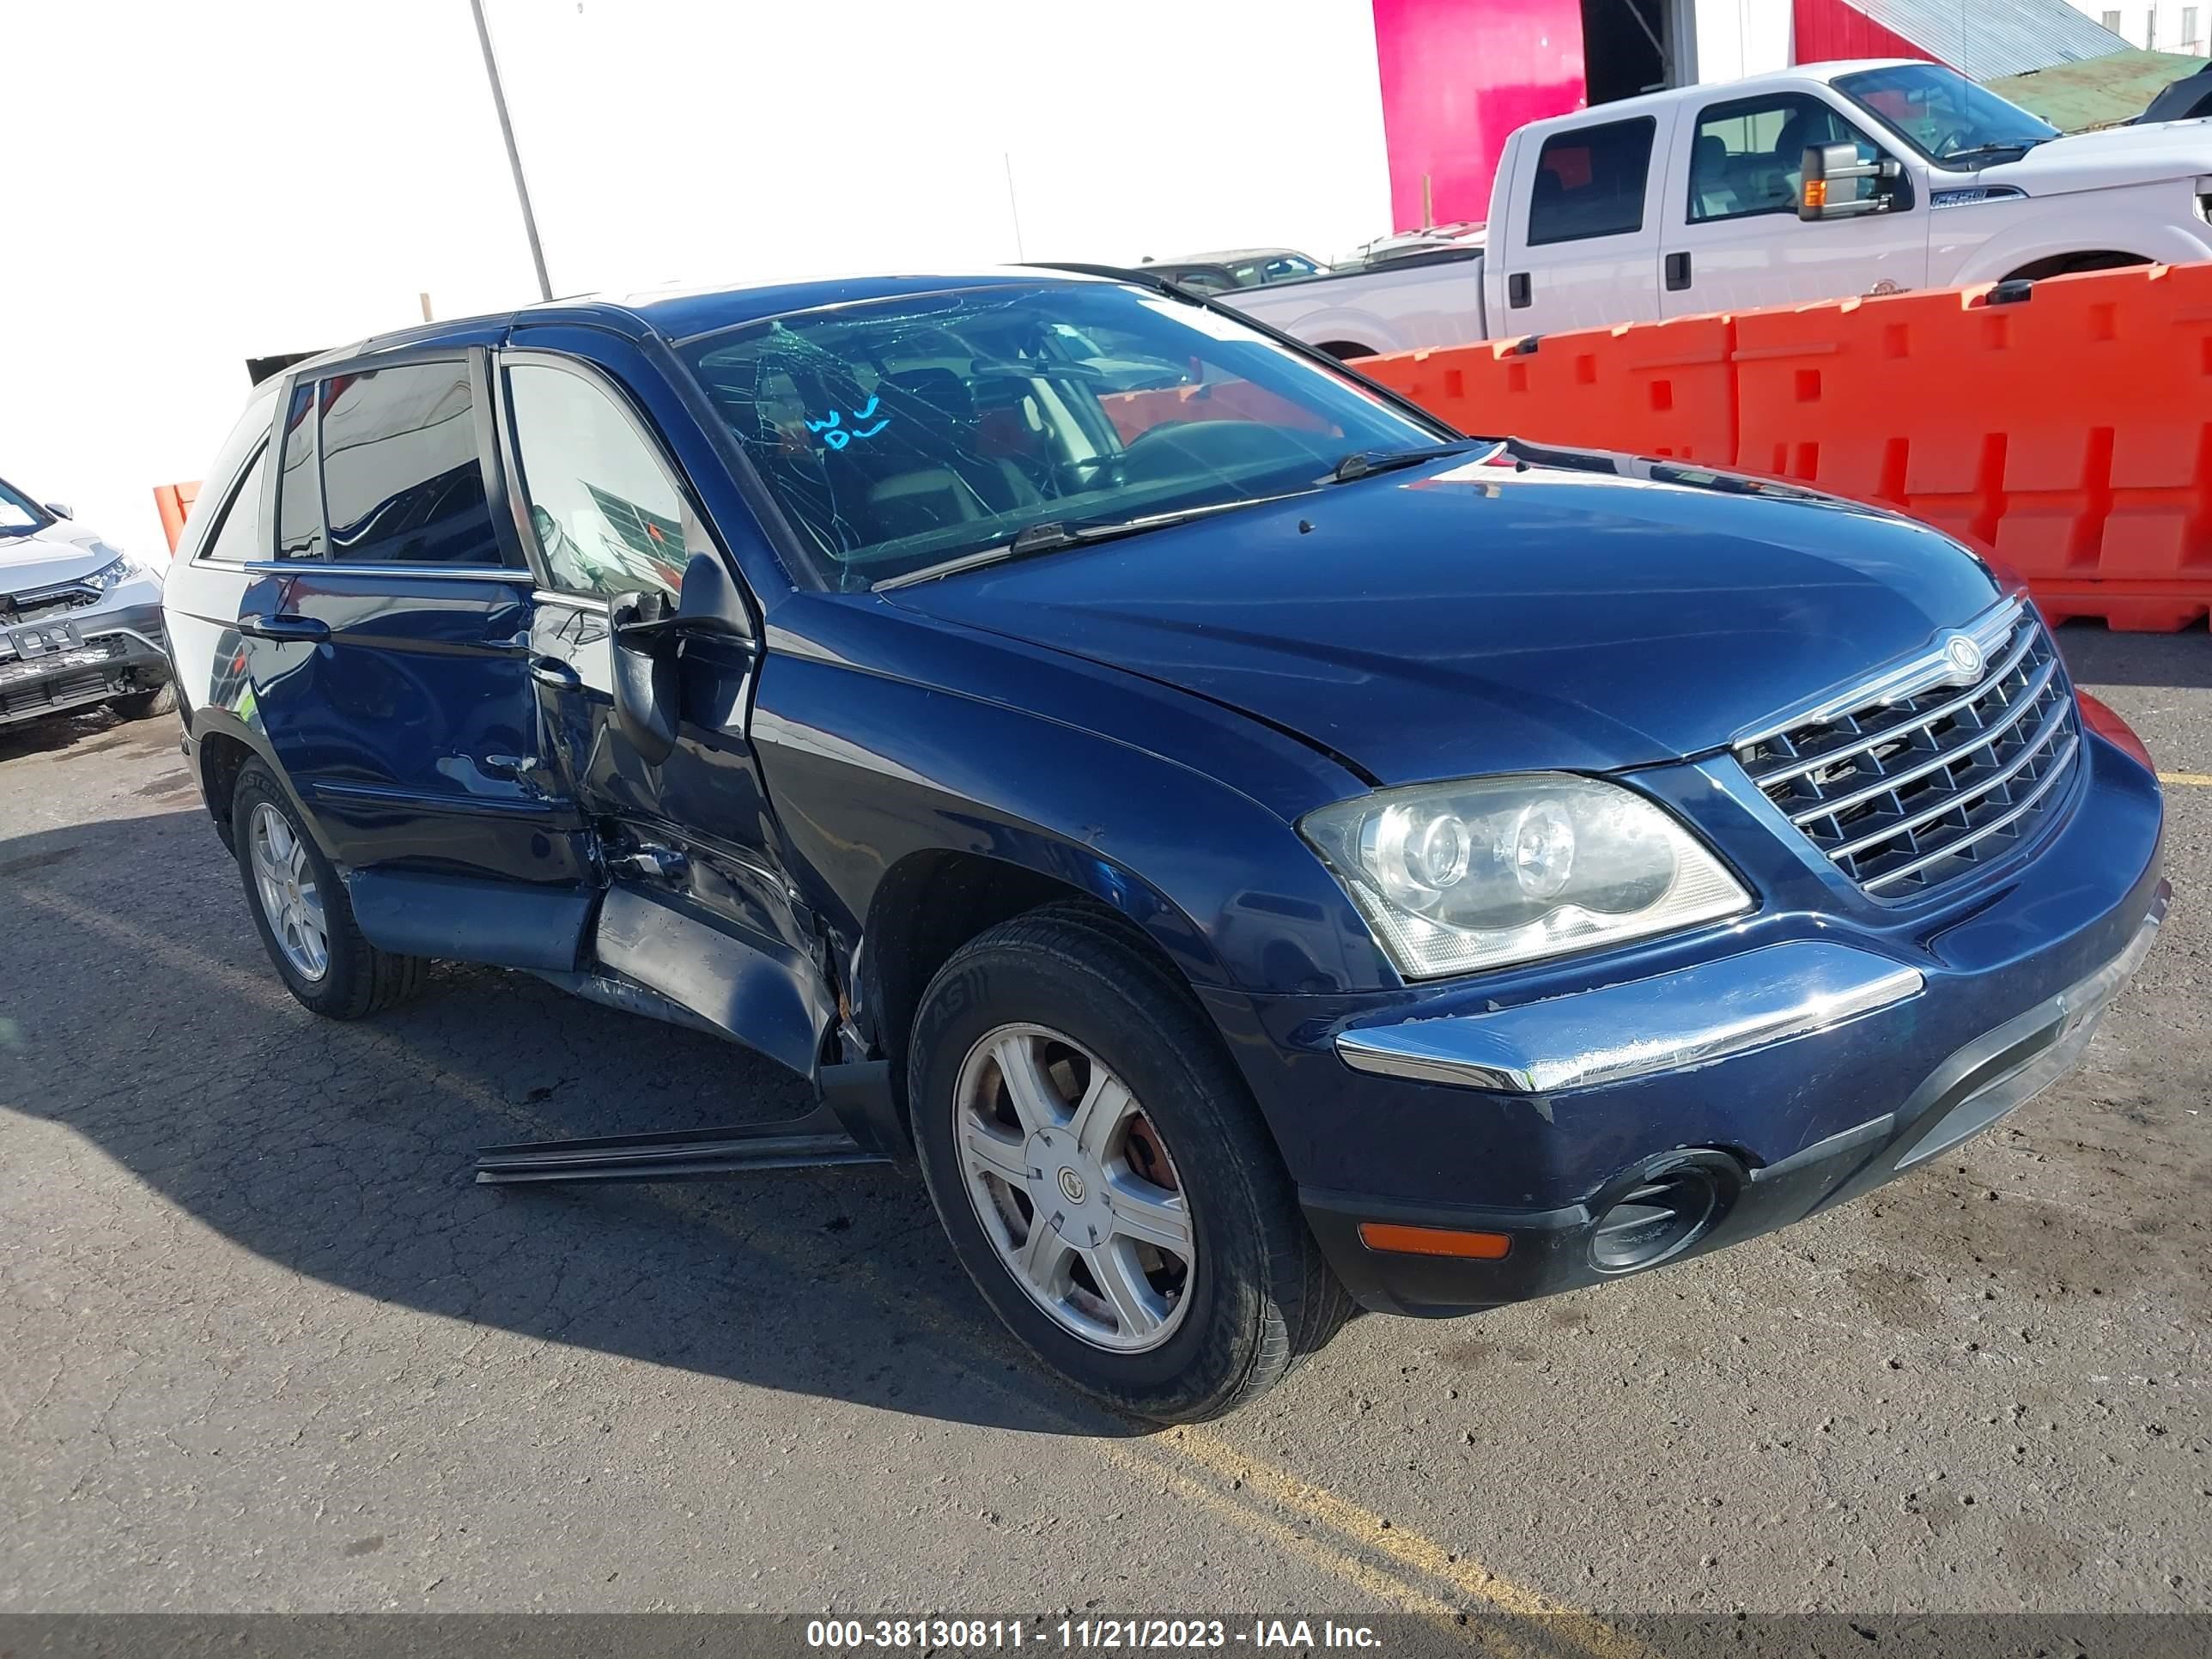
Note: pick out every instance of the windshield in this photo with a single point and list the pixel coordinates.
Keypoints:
(906, 434)
(19, 514)
(1943, 115)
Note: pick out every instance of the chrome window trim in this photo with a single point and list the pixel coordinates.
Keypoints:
(467, 572)
(1700, 1015)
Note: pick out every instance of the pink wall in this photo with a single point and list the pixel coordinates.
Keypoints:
(1457, 76)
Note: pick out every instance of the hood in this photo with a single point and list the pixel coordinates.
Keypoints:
(2142, 155)
(59, 553)
(1585, 613)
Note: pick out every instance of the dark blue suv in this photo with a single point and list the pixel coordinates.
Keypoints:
(1259, 852)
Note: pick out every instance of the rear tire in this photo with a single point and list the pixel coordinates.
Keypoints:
(300, 906)
(1076, 1008)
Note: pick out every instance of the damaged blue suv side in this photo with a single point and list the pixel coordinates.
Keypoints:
(1256, 851)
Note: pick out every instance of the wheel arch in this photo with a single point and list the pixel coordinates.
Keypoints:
(933, 901)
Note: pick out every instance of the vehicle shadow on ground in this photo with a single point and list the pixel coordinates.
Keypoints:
(2096, 655)
(148, 1022)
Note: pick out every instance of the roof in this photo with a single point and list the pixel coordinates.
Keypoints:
(1985, 39)
(2097, 92)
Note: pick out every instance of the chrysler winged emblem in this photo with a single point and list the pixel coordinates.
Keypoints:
(1965, 658)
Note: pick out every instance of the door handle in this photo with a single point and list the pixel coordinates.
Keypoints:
(1678, 271)
(1517, 290)
(299, 630)
(552, 671)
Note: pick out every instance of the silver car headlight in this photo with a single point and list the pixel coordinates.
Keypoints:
(112, 576)
(1457, 876)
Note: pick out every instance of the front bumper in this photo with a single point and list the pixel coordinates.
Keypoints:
(122, 649)
(1638, 1220)
(1779, 1063)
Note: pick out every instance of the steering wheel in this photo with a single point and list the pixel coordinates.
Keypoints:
(1950, 144)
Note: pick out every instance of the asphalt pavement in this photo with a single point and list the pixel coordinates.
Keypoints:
(264, 1347)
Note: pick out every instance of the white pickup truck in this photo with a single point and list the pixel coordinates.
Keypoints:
(1696, 200)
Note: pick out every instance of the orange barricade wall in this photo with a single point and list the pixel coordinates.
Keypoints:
(174, 502)
(2070, 431)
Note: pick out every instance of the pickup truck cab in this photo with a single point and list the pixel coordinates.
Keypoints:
(1690, 200)
(1256, 851)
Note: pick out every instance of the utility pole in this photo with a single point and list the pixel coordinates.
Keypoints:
(513, 155)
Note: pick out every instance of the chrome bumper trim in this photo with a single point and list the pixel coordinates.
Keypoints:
(1702, 1014)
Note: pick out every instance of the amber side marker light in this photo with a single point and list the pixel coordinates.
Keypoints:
(1816, 192)
(1434, 1240)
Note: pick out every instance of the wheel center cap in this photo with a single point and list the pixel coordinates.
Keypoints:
(1071, 1186)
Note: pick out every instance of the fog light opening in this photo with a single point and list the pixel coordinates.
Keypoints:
(1665, 1211)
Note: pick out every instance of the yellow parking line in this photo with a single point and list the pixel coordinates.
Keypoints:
(1315, 1503)
(1402, 1544)
(2195, 780)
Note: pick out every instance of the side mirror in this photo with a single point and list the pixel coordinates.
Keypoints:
(1827, 166)
(59, 511)
(646, 688)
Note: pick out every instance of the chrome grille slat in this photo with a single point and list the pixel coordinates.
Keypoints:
(1950, 849)
(1782, 775)
(1908, 781)
(2054, 725)
(1891, 780)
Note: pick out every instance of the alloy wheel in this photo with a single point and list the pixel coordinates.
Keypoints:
(1075, 1188)
(290, 899)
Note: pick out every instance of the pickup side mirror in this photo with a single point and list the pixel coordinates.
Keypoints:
(1827, 166)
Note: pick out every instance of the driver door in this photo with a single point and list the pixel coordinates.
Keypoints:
(697, 907)
(1732, 239)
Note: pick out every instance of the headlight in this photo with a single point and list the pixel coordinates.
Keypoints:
(1456, 877)
(114, 575)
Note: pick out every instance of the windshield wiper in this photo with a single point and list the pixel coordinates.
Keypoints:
(1052, 534)
(2017, 148)
(1362, 462)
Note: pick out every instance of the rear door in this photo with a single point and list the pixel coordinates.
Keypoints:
(1580, 248)
(698, 908)
(1733, 240)
(387, 645)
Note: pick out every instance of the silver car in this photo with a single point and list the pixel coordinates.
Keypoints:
(80, 620)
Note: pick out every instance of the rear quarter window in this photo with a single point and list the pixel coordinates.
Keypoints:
(1590, 182)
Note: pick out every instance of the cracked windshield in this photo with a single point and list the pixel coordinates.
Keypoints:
(902, 437)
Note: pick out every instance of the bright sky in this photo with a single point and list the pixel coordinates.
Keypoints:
(192, 185)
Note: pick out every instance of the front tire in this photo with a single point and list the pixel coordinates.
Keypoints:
(144, 705)
(1104, 1177)
(300, 906)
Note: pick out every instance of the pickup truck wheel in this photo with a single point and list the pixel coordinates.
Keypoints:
(300, 906)
(1104, 1177)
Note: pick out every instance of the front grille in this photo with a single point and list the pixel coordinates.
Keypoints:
(51, 694)
(1914, 778)
(42, 603)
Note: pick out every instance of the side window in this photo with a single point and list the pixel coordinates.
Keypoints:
(299, 486)
(1590, 182)
(237, 539)
(403, 482)
(1748, 156)
(607, 515)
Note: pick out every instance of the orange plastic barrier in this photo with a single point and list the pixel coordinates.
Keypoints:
(174, 503)
(1664, 387)
(2068, 430)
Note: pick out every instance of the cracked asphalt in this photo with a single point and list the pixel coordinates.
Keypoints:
(264, 1347)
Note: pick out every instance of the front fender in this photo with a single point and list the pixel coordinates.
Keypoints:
(867, 772)
(2154, 237)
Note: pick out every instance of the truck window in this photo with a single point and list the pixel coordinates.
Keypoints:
(1590, 182)
(1748, 155)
